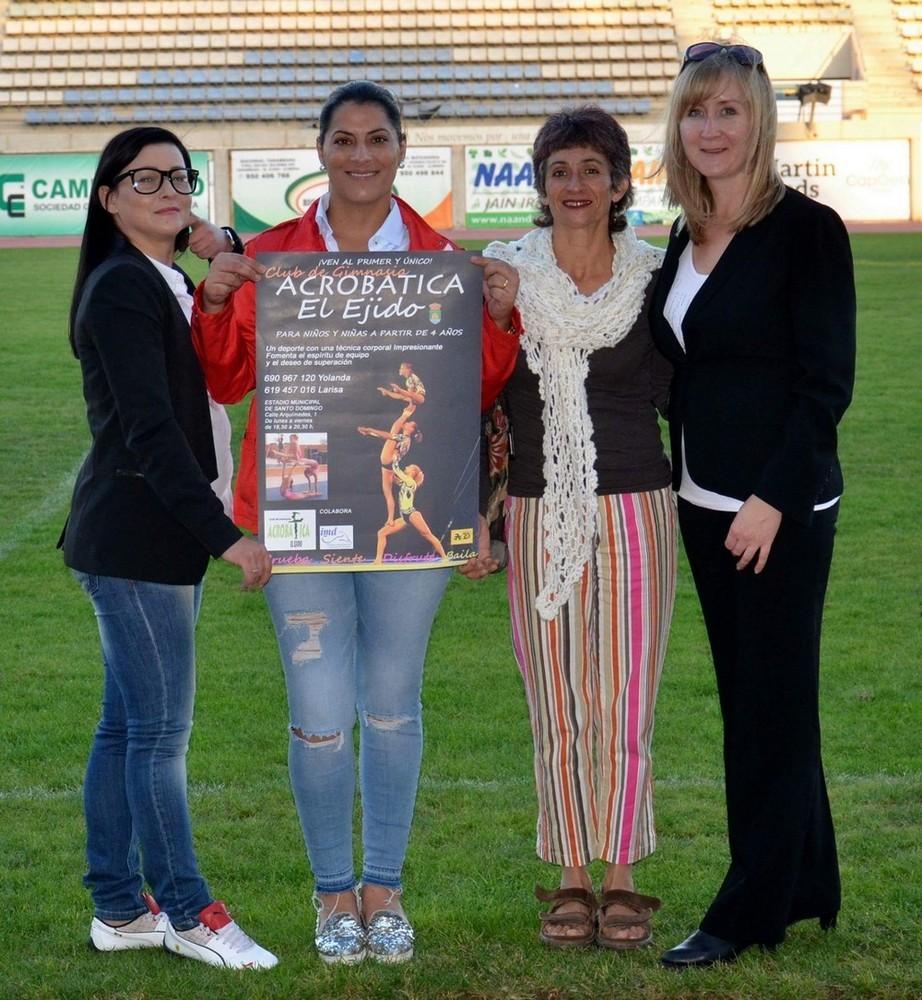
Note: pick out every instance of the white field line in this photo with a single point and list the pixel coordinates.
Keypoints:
(201, 790)
(50, 506)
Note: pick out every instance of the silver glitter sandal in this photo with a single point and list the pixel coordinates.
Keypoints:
(389, 936)
(340, 939)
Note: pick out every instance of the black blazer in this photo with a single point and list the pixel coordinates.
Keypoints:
(143, 508)
(769, 359)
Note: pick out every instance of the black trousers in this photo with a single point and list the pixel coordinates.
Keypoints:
(764, 633)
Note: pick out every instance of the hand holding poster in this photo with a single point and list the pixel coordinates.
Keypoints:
(368, 370)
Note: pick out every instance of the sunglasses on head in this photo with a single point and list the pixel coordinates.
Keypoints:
(744, 55)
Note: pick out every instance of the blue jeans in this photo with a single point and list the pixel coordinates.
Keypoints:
(355, 642)
(135, 789)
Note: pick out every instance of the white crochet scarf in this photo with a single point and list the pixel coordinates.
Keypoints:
(561, 328)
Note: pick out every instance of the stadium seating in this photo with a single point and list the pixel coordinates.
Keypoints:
(735, 14)
(250, 60)
(909, 17)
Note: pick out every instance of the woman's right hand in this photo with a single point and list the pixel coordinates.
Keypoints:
(752, 533)
(500, 287)
(253, 558)
(227, 273)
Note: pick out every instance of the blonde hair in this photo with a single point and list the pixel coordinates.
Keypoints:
(685, 187)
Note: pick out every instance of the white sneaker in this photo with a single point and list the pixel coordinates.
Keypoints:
(145, 931)
(218, 940)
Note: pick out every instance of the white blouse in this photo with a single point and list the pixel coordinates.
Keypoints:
(685, 287)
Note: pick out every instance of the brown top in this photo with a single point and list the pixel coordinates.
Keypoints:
(625, 387)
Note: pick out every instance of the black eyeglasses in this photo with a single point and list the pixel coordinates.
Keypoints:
(744, 55)
(149, 180)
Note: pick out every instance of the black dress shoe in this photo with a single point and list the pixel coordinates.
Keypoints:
(699, 951)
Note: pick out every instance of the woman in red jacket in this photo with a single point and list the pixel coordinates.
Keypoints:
(355, 670)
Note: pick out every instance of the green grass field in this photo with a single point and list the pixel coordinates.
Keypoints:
(471, 867)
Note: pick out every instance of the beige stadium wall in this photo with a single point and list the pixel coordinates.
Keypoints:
(16, 138)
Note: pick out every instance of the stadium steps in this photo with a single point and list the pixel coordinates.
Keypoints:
(888, 79)
(887, 87)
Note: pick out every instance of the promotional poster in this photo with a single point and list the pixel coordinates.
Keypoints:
(368, 375)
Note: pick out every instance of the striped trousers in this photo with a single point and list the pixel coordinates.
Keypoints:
(591, 675)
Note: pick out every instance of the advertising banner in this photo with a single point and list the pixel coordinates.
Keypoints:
(499, 187)
(272, 185)
(863, 180)
(368, 376)
(46, 194)
(649, 208)
(500, 191)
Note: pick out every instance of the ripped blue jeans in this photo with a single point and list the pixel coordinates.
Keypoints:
(353, 645)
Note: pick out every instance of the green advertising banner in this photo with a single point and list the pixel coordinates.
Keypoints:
(46, 194)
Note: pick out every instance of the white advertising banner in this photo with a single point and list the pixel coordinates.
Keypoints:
(499, 189)
(272, 185)
(863, 180)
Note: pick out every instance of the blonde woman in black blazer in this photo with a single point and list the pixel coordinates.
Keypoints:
(143, 524)
(755, 308)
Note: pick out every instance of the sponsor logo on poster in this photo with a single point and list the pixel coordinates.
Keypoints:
(336, 536)
(289, 530)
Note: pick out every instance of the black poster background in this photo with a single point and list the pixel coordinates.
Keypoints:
(331, 329)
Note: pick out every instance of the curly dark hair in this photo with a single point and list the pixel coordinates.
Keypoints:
(594, 128)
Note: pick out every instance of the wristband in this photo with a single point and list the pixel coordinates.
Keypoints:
(236, 242)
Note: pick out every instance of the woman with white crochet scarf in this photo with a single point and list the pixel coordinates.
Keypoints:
(590, 525)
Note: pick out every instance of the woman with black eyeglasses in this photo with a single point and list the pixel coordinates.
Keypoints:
(143, 523)
(755, 308)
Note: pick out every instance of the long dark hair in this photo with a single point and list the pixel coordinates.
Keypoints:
(594, 128)
(100, 232)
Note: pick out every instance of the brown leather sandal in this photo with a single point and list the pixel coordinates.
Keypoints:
(642, 907)
(584, 918)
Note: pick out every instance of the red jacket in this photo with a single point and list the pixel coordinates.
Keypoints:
(225, 341)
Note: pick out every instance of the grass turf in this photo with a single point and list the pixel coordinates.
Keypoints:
(471, 865)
